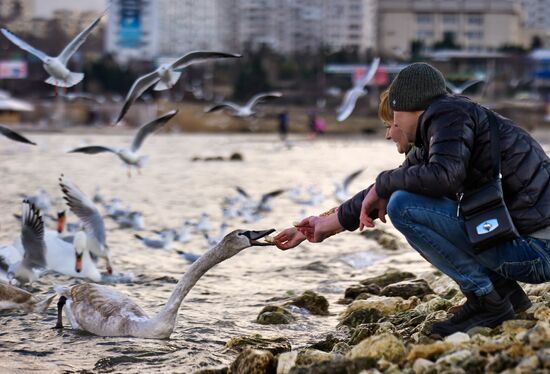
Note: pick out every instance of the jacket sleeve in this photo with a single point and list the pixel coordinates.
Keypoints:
(349, 211)
(451, 137)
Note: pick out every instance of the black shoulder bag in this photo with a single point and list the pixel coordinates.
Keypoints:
(486, 216)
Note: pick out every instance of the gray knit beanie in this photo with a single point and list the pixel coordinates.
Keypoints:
(415, 87)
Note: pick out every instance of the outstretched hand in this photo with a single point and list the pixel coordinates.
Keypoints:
(370, 203)
(318, 228)
(288, 238)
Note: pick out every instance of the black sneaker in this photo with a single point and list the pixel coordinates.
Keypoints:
(493, 310)
(460, 314)
(511, 290)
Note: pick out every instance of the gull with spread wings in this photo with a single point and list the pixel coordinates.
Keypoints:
(60, 75)
(129, 155)
(167, 75)
(244, 110)
(358, 90)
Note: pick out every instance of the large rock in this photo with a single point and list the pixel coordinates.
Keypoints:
(406, 289)
(273, 345)
(308, 357)
(385, 346)
(339, 365)
(274, 315)
(326, 344)
(390, 277)
(386, 305)
(385, 239)
(354, 291)
(309, 300)
(428, 351)
(360, 317)
(539, 336)
(434, 304)
(253, 361)
(369, 329)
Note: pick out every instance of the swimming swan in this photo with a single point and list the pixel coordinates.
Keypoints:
(104, 311)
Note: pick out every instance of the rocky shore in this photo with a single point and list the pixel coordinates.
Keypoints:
(385, 329)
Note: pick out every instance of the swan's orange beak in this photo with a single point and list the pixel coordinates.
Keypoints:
(78, 264)
(60, 222)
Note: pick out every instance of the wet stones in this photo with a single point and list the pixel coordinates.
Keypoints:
(364, 331)
(273, 345)
(274, 315)
(385, 239)
(390, 277)
(253, 361)
(385, 346)
(406, 289)
(361, 316)
(315, 304)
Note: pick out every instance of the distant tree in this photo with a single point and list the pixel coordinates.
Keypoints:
(251, 75)
(511, 48)
(448, 42)
(417, 46)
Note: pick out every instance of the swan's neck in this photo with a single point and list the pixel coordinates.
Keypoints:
(167, 315)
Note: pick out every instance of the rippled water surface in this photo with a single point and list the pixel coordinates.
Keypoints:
(227, 300)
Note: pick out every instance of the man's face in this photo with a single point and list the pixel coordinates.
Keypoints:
(407, 123)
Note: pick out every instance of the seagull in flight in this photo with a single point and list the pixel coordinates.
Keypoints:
(60, 75)
(129, 155)
(458, 90)
(358, 90)
(341, 189)
(167, 75)
(10, 134)
(245, 110)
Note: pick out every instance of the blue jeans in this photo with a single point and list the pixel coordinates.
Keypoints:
(432, 227)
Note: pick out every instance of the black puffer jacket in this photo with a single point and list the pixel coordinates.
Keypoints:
(453, 155)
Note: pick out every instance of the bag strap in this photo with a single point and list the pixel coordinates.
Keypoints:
(495, 143)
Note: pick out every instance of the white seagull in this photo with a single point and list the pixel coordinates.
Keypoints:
(32, 239)
(245, 110)
(60, 75)
(10, 134)
(341, 193)
(458, 90)
(166, 76)
(104, 311)
(356, 92)
(94, 227)
(129, 155)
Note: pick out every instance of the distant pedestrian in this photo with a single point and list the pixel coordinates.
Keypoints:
(283, 125)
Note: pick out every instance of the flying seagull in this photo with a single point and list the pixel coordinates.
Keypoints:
(167, 75)
(245, 110)
(60, 75)
(356, 92)
(129, 155)
(458, 90)
(10, 134)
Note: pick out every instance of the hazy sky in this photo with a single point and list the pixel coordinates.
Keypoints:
(44, 8)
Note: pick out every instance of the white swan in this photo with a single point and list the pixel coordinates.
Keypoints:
(103, 311)
(15, 298)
